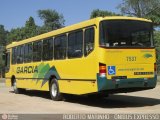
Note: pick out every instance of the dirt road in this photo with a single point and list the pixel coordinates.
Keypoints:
(39, 102)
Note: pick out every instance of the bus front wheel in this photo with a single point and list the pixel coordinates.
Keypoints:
(54, 90)
(17, 90)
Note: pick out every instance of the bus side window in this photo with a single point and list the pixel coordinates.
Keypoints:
(37, 51)
(25, 53)
(28, 53)
(20, 53)
(60, 44)
(75, 44)
(14, 55)
(48, 49)
(88, 41)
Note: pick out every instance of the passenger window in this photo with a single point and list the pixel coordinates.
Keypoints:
(60, 44)
(88, 41)
(14, 55)
(28, 53)
(48, 49)
(20, 54)
(37, 51)
(75, 44)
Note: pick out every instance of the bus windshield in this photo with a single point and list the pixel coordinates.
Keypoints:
(126, 33)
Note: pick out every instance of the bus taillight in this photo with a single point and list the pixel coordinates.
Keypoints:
(102, 70)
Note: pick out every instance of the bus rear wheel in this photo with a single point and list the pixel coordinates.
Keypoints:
(17, 90)
(54, 90)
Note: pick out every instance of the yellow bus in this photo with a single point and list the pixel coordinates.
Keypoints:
(104, 55)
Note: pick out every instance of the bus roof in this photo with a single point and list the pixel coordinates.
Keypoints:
(72, 27)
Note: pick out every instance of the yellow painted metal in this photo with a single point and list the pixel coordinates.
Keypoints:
(77, 87)
(81, 70)
(125, 67)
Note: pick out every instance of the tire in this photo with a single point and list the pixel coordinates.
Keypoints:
(54, 90)
(17, 90)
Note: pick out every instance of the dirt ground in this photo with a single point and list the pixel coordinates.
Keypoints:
(35, 102)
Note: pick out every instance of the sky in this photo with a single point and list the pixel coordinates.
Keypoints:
(14, 13)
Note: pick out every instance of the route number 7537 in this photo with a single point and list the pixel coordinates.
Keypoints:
(131, 58)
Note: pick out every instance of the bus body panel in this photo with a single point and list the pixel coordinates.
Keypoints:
(125, 72)
(78, 87)
(81, 75)
(133, 63)
(75, 76)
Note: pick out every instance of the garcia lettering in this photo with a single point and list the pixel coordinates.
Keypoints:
(27, 69)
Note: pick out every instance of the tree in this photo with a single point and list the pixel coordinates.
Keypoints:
(16, 35)
(157, 44)
(100, 13)
(142, 8)
(30, 28)
(28, 31)
(3, 35)
(52, 20)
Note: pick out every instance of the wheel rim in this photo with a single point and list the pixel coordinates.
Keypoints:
(54, 90)
(14, 85)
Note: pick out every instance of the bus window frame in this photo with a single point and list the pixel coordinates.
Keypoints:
(33, 59)
(14, 61)
(42, 56)
(66, 46)
(126, 47)
(75, 31)
(92, 27)
(29, 43)
(20, 54)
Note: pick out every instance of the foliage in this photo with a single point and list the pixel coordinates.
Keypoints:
(2, 62)
(28, 31)
(3, 35)
(15, 35)
(1, 58)
(52, 20)
(157, 44)
(30, 28)
(157, 38)
(142, 8)
(101, 13)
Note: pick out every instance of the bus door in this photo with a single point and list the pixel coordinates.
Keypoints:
(7, 61)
